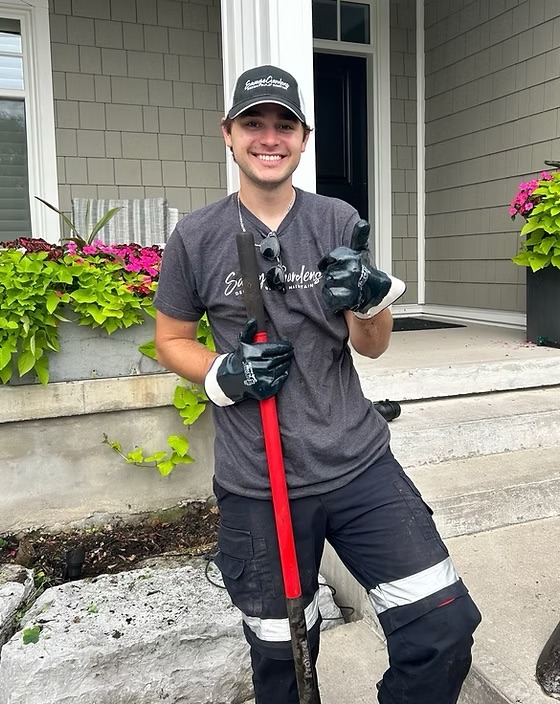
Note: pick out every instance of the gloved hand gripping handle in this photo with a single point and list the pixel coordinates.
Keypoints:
(308, 689)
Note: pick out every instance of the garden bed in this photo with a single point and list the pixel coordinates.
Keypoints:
(114, 548)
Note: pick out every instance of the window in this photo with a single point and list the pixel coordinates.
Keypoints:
(325, 22)
(15, 217)
(27, 151)
(341, 21)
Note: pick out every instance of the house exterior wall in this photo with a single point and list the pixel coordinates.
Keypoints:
(403, 145)
(492, 99)
(138, 95)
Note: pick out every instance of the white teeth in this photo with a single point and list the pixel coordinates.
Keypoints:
(269, 157)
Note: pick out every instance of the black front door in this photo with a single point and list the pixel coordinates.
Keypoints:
(341, 128)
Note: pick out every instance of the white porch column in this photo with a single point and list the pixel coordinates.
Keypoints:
(277, 32)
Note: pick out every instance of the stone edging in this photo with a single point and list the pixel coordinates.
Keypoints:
(74, 398)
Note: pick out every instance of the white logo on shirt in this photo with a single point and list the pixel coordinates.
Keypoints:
(304, 278)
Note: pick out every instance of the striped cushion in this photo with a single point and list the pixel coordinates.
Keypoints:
(140, 220)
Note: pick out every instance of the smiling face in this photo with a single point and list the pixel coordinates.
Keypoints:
(267, 142)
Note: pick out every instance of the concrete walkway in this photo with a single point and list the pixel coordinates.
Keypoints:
(513, 575)
(352, 659)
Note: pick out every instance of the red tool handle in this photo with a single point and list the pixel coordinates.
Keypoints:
(284, 531)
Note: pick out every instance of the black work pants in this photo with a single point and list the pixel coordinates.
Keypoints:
(384, 533)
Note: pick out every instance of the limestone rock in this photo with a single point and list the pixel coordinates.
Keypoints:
(138, 637)
(16, 584)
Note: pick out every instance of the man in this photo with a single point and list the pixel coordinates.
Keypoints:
(320, 291)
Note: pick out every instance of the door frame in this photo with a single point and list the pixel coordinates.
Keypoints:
(377, 55)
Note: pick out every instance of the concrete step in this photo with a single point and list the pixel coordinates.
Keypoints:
(429, 432)
(452, 362)
(500, 516)
(457, 379)
(513, 575)
(482, 493)
(470, 496)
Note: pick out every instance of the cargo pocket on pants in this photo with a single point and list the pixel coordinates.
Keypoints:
(239, 571)
(420, 510)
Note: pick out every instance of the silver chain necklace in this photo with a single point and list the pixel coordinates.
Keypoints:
(241, 217)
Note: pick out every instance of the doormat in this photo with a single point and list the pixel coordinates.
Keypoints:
(408, 324)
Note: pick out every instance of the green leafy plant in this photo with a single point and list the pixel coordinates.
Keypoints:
(106, 286)
(190, 401)
(87, 237)
(31, 635)
(164, 460)
(538, 201)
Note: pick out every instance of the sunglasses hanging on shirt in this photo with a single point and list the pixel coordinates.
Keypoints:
(276, 276)
(269, 247)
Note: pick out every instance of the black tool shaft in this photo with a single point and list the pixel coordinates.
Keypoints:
(251, 278)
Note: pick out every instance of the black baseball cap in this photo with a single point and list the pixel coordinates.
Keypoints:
(266, 84)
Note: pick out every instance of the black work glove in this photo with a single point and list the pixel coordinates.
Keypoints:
(255, 370)
(352, 283)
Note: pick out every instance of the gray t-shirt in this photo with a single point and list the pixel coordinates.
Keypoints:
(330, 431)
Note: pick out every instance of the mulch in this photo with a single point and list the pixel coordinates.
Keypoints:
(191, 531)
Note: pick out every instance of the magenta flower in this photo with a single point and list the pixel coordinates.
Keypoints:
(524, 201)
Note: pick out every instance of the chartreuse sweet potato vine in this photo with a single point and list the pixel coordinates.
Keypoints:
(190, 400)
(110, 287)
(538, 201)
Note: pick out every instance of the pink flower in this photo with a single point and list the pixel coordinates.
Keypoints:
(526, 199)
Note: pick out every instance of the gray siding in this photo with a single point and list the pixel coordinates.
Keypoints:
(403, 144)
(138, 100)
(492, 99)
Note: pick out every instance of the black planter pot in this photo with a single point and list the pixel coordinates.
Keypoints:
(543, 306)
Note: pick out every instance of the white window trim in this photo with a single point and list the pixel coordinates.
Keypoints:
(39, 108)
